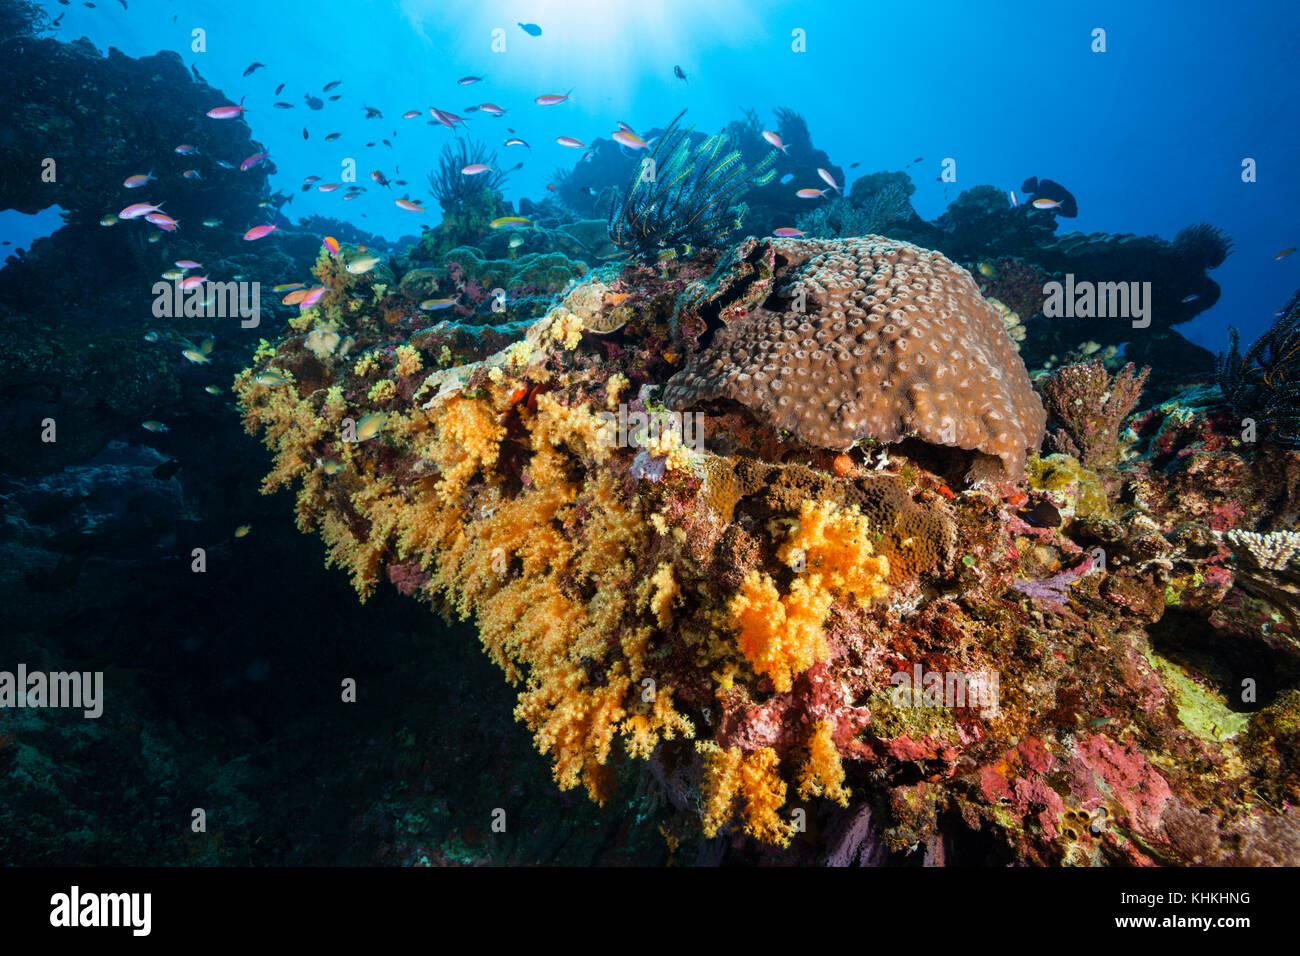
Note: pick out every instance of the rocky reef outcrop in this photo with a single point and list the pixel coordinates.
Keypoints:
(792, 651)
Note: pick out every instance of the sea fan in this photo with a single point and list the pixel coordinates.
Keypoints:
(450, 186)
(1264, 384)
(684, 196)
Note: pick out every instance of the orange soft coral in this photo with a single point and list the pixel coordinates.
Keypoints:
(781, 636)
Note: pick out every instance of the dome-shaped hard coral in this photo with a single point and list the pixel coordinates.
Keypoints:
(872, 338)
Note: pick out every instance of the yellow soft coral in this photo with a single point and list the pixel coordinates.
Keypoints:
(382, 391)
(658, 593)
(823, 773)
(835, 543)
(732, 775)
(469, 436)
(408, 361)
(567, 330)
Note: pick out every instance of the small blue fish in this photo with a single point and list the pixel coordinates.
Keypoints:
(1190, 298)
(532, 29)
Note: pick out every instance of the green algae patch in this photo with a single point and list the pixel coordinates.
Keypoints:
(1201, 711)
(1079, 490)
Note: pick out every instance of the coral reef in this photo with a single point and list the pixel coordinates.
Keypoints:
(803, 654)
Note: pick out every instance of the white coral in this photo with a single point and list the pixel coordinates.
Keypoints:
(1272, 551)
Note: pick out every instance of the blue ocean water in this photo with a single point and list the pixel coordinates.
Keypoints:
(1149, 135)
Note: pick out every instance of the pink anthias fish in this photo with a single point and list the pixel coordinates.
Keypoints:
(331, 244)
(474, 169)
(625, 128)
(1015, 203)
(329, 187)
(136, 210)
(163, 221)
(227, 112)
(311, 298)
(811, 193)
(785, 232)
(185, 149)
(828, 179)
(630, 140)
(410, 114)
(408, 205)
(251, 161)
(188, 264)
(551, 99)
(774, 140)
(1045, 203)
(570, 141)
(191, 174)
(491, 109)
(311, 179)
(448, 120)
(257, 232)
(193, 282)
(138, 180)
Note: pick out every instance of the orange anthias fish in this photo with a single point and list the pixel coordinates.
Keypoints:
(332, 245)
(141, 179)
(810, 193)
(828, 179)
(570, 141)
(774, 140)
(630, 139)
(408, 205)
(474, 169)
(551, 99)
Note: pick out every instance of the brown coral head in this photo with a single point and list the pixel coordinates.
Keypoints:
(872, 338)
